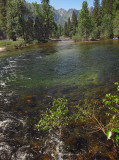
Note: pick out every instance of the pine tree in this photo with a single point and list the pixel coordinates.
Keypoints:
(116, 24)
(38, 25)
(96, 13)
(84, 22)
(116, 18)
(115, 6)
(65, 29)
(28, 28)
(59, 30)
(48, 19)
(107, 7)
(16, 11)
(55, 32)
(3, 10)
(107, 18)
(69, 27)
(107, 26)
(28, 24)
(45, 1)
(74, 23)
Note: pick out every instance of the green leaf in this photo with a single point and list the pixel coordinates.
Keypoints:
(109, 134)
(116, 83)
(117, 131)
(117, 139)
(118, 88)
(107, 102)
(108, 95)
(104, 100)
(113, 117)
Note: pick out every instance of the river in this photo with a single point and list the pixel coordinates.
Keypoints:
(30, 78)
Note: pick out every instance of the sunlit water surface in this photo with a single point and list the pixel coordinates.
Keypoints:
(30, 78)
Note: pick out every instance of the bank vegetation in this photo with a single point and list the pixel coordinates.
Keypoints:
(35, 22)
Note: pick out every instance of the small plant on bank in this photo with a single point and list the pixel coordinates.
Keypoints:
(55, 119)
(110, 109)
(60, 114)
(111, 103)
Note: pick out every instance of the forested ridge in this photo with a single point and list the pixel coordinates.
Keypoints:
(19, 19)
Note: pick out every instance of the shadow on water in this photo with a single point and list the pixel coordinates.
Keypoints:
(30, 79)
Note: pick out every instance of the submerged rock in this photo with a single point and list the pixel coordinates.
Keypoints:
(76, 145)
(100, 156)
(23, 154)
(5, 151)
(46, 158)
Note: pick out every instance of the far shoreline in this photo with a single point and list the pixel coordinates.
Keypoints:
(9, 45)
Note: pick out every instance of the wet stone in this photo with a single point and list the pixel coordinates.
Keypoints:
(75, 145)
(23, 153)
(5, 151)
(70, 157)
(99, 156)
(10, 127)
(109, 144)
(46, 158)
(31, 101)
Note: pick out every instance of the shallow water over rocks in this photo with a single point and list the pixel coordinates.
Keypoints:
(30, 79)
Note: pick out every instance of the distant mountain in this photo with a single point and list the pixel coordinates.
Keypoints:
(90, 10)
(61, 15)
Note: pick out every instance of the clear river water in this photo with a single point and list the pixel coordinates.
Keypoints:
(30, 78)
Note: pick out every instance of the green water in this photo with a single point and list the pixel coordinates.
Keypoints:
(60, 65)
(30, 78)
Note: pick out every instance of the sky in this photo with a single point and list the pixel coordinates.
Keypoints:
(66, 4)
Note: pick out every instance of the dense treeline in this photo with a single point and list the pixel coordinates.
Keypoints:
(36, 21)
(103, 23)
(27, 21)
